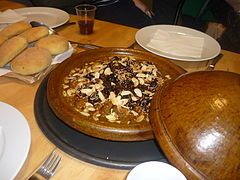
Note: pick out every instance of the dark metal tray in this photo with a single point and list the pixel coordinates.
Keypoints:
(112, 154)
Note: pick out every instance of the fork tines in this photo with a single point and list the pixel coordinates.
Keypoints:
(50, 165)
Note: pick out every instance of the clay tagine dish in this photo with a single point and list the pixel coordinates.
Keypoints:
(106, 92)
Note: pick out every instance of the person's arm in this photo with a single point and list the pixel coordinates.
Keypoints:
(235, 4)
(143, 7)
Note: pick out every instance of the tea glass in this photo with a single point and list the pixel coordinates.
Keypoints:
(86, 14)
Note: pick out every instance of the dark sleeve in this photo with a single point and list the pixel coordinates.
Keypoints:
(165, 10)
(223, 12)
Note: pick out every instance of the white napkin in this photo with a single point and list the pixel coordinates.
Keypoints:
(177, 44)
(10, 16)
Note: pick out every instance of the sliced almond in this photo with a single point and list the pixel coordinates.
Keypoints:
(111, 96)
(65, 86)
(88, 104)
(141, 81)
(86, 110)
(140, 118)
(70, 92)
(85, 113)
(141, 75)
(107, 71)
(66, 80)
(135, 82)
(112, 117)
(148, 93)
(95, 118)
(124, 102)
(134, 113)
(96, 75)
(168, 76)
(91, 109)
(101, 96)
(125, 93)
(138, 92)
(117, 101)
(134, 98)
(88, 92)
(154, 72)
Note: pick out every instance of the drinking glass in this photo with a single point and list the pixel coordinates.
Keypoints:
(86, 13)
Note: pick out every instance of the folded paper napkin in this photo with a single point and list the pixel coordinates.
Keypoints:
(177, 44)
(10, 16)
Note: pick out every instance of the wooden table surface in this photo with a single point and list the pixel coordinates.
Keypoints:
(4, 5)
(21, 96)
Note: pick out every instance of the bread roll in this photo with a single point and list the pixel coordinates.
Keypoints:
(54, 43)
(35, 33)
(11, 48)
(31, 61)
(15, 29)
(2, 39)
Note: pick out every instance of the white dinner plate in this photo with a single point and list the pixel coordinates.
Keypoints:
(52, 17)
(155, 170)
(15, 140)
(211, 47)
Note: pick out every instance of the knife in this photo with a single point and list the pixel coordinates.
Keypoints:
(85, 46)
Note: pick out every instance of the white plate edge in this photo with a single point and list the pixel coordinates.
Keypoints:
(67, 16)
(169, 56)
(28, 140)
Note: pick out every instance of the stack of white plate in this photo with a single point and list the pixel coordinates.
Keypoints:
(209, 51)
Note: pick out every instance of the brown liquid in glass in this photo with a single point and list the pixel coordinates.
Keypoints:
(85, 26)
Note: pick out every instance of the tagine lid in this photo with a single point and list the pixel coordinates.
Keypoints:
(196, 121)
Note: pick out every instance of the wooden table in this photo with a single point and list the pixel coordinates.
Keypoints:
(21, 96)
(4, 5)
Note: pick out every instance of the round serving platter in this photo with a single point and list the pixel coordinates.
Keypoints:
(112, 154)
(66, 111)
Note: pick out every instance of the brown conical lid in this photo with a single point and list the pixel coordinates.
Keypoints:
(196, 121)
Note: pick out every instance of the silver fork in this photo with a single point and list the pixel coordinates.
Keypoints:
(48, 168)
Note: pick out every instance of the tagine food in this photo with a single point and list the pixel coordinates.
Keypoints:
(118, 90)
(106, 93)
